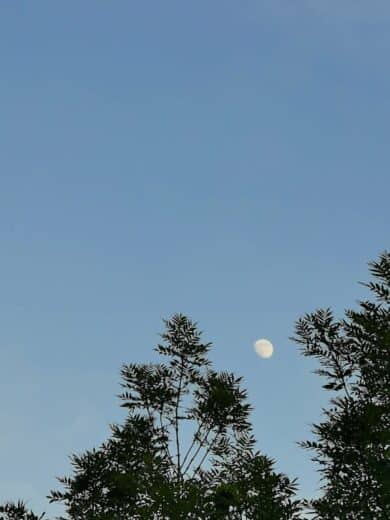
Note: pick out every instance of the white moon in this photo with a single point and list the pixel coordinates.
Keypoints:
(264, 348)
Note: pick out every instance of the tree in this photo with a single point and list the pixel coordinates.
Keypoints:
(143, 470)
(352, 444)
(17, 511)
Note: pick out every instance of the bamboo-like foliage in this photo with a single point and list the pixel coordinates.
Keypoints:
(145, 470)
(352, 445)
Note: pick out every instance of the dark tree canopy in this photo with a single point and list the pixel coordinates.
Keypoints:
(144, 471)
(17, 511)
(352, 443)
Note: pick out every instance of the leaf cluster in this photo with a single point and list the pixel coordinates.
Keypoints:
(17, 511)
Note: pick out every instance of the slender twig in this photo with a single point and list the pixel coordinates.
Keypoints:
(193, 442)
(162, 429)
(201, 444)
(207, 452)
(177, 419)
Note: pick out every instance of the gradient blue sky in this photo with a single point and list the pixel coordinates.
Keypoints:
(224, 159)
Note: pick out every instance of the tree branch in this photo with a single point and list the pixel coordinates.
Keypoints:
(162, 429)
(206, 453)
(193, 442)
(201, 444)
(177, 420)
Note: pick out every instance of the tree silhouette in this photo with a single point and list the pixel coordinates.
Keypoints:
(352, 444)
(144, 471)
(17, 511)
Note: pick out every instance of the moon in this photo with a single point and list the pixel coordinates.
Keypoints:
(263, 348)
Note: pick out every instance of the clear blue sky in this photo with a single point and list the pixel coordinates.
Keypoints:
(224, 159)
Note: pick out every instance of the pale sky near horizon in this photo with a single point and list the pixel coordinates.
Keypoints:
(227, 160)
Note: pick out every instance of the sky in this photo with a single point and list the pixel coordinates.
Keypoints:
(226, 160)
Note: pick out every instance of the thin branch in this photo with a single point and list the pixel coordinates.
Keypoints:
(207, 452)
(193, 442)
(177, 420)
(162, 429)
(201, 444)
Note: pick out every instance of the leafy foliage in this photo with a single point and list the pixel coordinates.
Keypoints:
(352, 444)
(17, 511)
(143, 472)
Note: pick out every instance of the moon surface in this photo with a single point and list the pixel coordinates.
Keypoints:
(263, 348)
